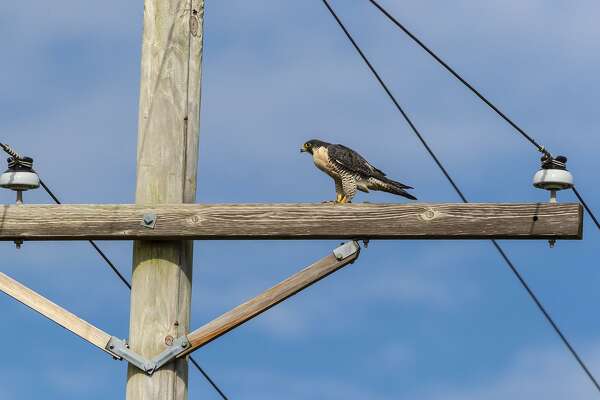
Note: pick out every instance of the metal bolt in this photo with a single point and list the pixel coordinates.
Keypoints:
(184, 344)
(149, 220)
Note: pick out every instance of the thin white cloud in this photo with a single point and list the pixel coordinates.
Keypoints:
(364, 287)
(542, 373)
(265, 384)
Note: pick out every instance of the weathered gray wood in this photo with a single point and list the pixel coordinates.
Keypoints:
(54, 312)
(166, 173)
(294, 221)
(261, 303)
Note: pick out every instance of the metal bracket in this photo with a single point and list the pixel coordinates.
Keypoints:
(346, 250)
(120, 350)
(178, 346)
(149, 220)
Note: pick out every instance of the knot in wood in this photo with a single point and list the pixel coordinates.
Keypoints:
(194, 24)
(429, 214)
(169, 340)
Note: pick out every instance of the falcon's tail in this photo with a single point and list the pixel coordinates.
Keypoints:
(387, 185)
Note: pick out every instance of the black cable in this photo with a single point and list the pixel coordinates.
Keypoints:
(122, 278)
(460, 78)
(589, 210)
(512, 267)
(391, 96)
(476, 92)
(214, 385)
(548, 317)
(110, 264)
(10, 151)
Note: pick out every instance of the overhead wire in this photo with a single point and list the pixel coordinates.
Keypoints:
(10, 151)
(460, 78)
(94, 245)
(477, 93)
(587, 208)
(112, 266)
(500, 250)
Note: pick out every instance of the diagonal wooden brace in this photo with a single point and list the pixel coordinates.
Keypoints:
(119, 349)
(341, 256)
(88, 332)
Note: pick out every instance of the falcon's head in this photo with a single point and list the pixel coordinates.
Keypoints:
(312, 145)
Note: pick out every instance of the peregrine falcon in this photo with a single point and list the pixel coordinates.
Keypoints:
(351, 171)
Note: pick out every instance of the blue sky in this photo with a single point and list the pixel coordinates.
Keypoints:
(430, 319)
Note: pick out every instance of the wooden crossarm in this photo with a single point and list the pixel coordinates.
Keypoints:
(292, 221)
(54, 312)
(269, 298)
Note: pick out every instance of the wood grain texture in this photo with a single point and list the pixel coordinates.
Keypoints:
(293, 221)
(167, 159)
(265, 300)
(54, 312)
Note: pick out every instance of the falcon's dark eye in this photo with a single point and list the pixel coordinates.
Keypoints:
(306, 145)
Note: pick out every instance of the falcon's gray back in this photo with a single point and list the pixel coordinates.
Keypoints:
(352, 161)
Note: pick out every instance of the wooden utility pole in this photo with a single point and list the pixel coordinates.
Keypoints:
(167, 159)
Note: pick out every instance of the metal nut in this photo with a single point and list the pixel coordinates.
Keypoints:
(149, 220)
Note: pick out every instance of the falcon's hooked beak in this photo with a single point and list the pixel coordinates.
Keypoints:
(302, 150)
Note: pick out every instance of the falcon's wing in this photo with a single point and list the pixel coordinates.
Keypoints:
(353, 161)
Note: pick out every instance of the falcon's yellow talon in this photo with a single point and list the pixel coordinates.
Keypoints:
(344, 199)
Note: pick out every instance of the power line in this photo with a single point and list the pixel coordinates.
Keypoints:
(500, 250)
(212, 383)
(124, 280)
(589, 210)
(10, 151)
(452, 71)
(459, 77)
(100, 252)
